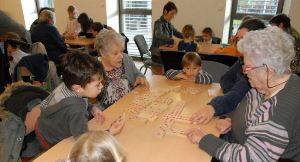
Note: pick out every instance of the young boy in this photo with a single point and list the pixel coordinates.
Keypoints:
(73, 27)
(65, 112)
(188, 44)
(191, 63)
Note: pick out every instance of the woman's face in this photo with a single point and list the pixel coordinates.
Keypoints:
(169, 15)
(113, 57)
(257, 75)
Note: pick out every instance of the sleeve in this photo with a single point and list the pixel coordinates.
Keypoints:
(58, 40)
(204, 78)
(171, 74)
(230, 100)
(265, 142)
(228, 80)
(177, 33)
(78, 121)
(160, 35)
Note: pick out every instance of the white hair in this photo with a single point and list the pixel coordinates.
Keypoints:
(47, 15)
(106, 38)
(271, 46)
(38, 47)
(96, 146)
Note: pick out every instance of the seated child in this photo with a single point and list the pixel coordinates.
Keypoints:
(207, 35)
(188, 44)
(65, 112)
(191, 63)
(73, 27)
(97, 146)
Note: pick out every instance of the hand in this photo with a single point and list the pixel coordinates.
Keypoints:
(98, 114)
(141, 81)
(204, 115)
(224, 125)
(181, 76)
(191, 78)
(117, 125)
(195, 135)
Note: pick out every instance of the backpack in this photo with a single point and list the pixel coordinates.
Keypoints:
(12, 132)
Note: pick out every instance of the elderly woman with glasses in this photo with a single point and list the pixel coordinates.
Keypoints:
(266, 124)
(121, 75)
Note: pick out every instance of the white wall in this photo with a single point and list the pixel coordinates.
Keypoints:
(96, 9)
(294, 14)
(199, 13)
(13, 8)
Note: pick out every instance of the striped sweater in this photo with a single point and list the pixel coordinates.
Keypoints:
(262, 130)
(202, 77)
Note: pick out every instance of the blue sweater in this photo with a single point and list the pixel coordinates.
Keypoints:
(235, 86)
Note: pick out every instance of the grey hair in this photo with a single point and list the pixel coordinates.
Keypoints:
(106, 38)
(271, 46)
(46, 15)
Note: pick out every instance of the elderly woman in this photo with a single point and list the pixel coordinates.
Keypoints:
(121, 73)
(266, 124)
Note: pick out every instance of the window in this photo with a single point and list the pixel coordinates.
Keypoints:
(263, 9)
(135, 18)
(30, 9)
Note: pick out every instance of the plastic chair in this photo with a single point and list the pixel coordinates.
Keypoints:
(216, 69)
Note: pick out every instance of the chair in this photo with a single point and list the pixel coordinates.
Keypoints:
(216, 69)
(215, 40)
(223, 59)
(144, 52)
(171, 59)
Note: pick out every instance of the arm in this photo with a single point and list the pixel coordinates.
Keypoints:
(160, 35)
(229, 79)
(58, 40)
(171, 74)
(260, 145)
(77, 121)
(204, 78)
(228, 102)
(177, 33)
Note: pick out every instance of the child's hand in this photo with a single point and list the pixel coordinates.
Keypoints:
(117, 125)
(191, 78)
(98, 114)
(181, 76)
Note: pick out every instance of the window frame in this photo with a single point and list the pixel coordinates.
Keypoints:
(122, 11)
(234, 15)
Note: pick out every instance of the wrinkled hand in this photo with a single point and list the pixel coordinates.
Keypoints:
(181, 76)
(204, 115)
(224, 125)
(195, 135)
(98, 114)
(117, 126)
(141, 81)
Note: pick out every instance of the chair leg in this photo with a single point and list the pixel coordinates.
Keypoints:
(142, 67)
(145, 70)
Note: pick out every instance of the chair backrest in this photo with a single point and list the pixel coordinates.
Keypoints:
(216, 69)
(216, 40)
(141, 45)
(223, 59)
(171, 59)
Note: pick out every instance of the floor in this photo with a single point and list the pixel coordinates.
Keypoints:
(150, 71)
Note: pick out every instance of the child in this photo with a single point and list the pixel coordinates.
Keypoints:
(191, 63)
(73, 27)
(65, 112)
(207, 35)
(188, 44)
(97, 146)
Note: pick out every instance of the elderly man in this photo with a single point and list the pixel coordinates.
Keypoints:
(265, 125)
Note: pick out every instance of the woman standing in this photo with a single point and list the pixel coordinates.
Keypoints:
(164, 31)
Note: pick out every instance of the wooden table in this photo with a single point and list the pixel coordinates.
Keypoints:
(204, 48)
(80, 41)
(138, 136)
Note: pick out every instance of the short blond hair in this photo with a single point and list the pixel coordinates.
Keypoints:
(191, 58)
(96, 146)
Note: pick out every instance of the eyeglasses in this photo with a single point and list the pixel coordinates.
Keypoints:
(245, 69)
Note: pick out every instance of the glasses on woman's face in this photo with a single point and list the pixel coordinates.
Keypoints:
(246, 69)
